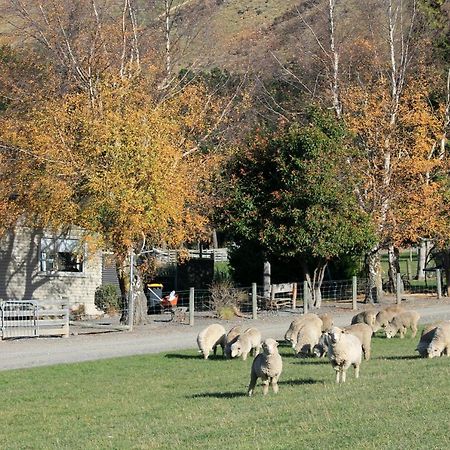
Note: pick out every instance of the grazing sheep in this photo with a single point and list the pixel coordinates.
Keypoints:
(364, 333)
(384, 316)
(368, 316)
(248, 340)
(209, 338)
(296, 325)
(327, 322)
(321, 348)
(344, 351)
(232, 336)
(401, 322)
(308, 337)
(425, 339)
(440, 343)
(267, 366)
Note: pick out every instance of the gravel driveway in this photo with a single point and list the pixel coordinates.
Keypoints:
(159, 337)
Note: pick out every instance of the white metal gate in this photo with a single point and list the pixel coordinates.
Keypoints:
(19, 318)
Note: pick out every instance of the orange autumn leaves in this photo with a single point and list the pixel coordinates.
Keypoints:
(118, 168)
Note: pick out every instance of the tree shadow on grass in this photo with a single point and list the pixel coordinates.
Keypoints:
(197, 356)
(219, 395)
(301, 381)
(311, 361)
(398, 358)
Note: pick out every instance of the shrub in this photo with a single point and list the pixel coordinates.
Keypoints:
(225, 298)
(108, 299)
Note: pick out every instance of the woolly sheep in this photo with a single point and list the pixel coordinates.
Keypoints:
(248, 340)
(232, 336)
(364, 333)
(327, 322)
(426, 338)
(321, 348)
(296, 325)
(268, 366)
(209, 338)
(368, 316)
(344, 351)
(440, 343)
(307, 338)
(384, 316)
(401, 322)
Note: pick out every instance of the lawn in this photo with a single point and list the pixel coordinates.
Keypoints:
(178, 400)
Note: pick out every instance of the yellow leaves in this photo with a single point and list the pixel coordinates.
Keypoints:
(116, 168)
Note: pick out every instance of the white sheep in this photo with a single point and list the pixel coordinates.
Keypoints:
(327, 322)
(344, 350)
(232, 336)
(401, 322)
(425, 338)
(440, 343)
(384, 316)
(296, 325)
(248, 340)
(368, 316)
(364, 333)
(209, 338)
(308, 337)
(268, 366)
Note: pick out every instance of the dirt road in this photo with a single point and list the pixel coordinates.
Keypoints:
(161, 337)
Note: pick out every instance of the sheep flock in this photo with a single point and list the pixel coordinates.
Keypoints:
(312, 335)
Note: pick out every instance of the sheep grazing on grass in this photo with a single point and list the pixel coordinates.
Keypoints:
(296, 325)
(321, 348)
(368, 316)
(267, 366)
(232, 336)
(384, 316)
(248, 340)
(209, 338)
(440, 343)
(344, 350)
(308, 337)
(327, 322)
(425, 338)
(401, 322)
(364, 333)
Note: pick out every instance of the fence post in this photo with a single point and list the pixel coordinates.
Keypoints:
(398, 291)
(439, 283)
(354, 292)
(305, 297)
(294, 296)
(408, 269)
(191, 306)
(254, 302)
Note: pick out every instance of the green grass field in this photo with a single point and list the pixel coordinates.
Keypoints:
(178, 400)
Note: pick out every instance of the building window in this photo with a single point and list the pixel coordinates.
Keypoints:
(61, 255)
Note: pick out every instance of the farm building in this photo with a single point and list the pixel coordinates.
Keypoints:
(49, 268)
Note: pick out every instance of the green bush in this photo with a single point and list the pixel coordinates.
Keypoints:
(108, 299)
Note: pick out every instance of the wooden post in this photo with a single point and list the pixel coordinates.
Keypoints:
(305, 297)
(294, 296)
(267, 281)
(254, 302)
(399, 288)
(354, 292)
(439, 283)
(191, 306)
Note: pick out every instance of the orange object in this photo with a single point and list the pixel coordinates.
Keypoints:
(169, 303)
